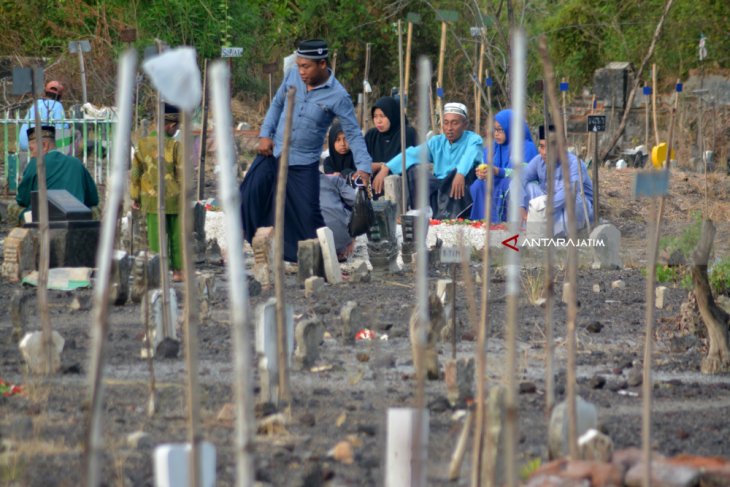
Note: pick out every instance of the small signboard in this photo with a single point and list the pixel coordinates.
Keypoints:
(450, 255)
(270, 68)
(596, 123)
(231, 51)
(23, 80)
(413, 18)
(74, 46)
(447, 15)
(649, 184)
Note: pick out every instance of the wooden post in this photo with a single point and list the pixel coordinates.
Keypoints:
(596, 199)
(572, 273)
(440, 79)
(236, 271)
(100, 312)
(565, 111)
(82, 69)
(191, 303)
(366, 91)
(402, 114)
(480, 80)
(334, 62)
(646, 117)
(409, 40)
(203, 135)
(653, 105)
(282, 343)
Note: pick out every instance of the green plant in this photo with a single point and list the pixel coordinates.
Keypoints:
(719, 277)
(664, 273)
(529, 468)
(686, 241)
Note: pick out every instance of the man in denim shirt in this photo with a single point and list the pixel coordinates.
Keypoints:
(319, 99)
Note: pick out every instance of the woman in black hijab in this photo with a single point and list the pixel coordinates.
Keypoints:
(340, 162)
(383, 140)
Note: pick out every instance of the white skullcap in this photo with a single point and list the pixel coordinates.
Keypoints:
(457, 108)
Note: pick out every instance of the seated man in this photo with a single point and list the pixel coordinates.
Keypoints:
(62, 172)
(454, 155)
(534, 187)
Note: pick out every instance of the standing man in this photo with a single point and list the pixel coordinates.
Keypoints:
(319, 99)
(62, 172)
(49, 109)
(143, 189)
(454, 154)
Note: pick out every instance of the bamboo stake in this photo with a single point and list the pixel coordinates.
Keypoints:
(203, 135)
(281, 331)
(424, 76)
(409, 40)
(334, 65)
(45, 239)
(152, 399)
(482, 331)
(565, 112)
(480, 80)
(191, 305)
(572, 251)
(457, 457)
(440, 79)
(402, 114)
(366, 90)
(653, 103)
(100, 312)
(549, 287)
(646, 120)
(236, 270)
(513, 258)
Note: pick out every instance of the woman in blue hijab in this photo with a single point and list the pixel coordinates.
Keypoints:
(502, 170)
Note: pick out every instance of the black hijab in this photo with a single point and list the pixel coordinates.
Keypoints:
(383, 146)
(336, 162)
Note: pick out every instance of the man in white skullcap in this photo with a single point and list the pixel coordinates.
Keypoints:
(454, 154)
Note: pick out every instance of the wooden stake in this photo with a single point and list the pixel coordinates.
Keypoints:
(366, 91)
(572, 251)
(334, 64)
(565, 112)
(653, 104)
(409, 40)
(480, 81)
(203, 135)
(152, 399)
(518, 77)
(402, 114)
(100, 312)
(457, 458)
(282, 347)
(440, 79)
(646, 122)
(236, 271)
(191, 304)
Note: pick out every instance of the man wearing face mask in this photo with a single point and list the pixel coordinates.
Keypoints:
(62, 171)
(454, 154)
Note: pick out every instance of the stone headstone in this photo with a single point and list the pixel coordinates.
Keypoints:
(199, 242)
(309, 334)
(263, 248)
(612, 83)
(206, 290)
(267, 347)
(436, 323)
(31, 348)
(353, 319)
(459, 377)
(566, 292)
(18, 310)
(329, 255)
(408, 246)
(139, 274)
(660, 295)
(596, 288)
(360, 273)
(587, 418)
(393, 191)
(19, 253)
(313, 285)
(121, 268)
(399, 465)
(607, 246)
(382, 238)
(594, 445)
(154, 305)
(172, 465)
(213, 253)
(309, 259)
(618, 284)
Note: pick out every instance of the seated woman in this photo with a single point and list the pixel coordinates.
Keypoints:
(336, 197)
(340, 161)
(502, 170)
(383, 140)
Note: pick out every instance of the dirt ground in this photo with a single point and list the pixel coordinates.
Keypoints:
(42, 430)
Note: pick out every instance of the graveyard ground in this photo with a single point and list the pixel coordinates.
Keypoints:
(344, 398)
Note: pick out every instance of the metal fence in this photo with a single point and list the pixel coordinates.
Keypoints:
(88, 139)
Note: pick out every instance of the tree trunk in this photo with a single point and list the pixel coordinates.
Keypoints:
(715, 318)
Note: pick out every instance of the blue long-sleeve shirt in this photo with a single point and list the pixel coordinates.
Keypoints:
(536, 171)
(462, 155)
(314, 111)
(48, 110)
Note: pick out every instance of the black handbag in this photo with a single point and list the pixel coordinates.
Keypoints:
(363, 216)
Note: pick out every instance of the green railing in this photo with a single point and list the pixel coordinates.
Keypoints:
(78, 133)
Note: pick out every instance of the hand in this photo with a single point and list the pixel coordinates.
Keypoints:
(481, 171)
(335, 174)
(376, 166)
(364, 177)
(457, 186)
(523, 215)
(266, 146)
(379, 180)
